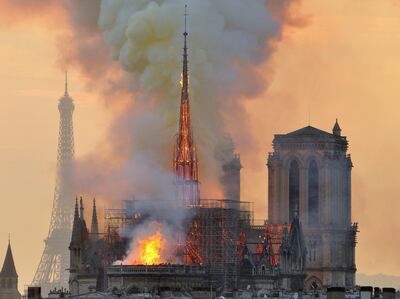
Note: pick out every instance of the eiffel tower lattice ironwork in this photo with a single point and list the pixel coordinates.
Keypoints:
(52, 270)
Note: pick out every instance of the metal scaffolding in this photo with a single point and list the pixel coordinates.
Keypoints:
(220, 222)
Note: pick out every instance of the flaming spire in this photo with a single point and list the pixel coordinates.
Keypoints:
(185, 156)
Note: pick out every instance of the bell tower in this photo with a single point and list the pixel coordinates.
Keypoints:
(310, 169)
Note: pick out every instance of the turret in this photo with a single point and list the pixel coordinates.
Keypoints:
(94, 230)
(82, 210)
(9, 277)
(76, 227)
(337, 131)
(78, 238)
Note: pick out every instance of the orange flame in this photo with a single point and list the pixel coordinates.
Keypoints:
(150, 249)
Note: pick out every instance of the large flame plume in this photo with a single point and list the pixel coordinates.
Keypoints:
(150, 248)
(152, 244)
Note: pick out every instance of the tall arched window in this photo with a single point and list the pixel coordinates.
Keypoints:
(313, 193)
(294, 189)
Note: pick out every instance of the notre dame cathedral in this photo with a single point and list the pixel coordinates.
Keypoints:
(309, 171)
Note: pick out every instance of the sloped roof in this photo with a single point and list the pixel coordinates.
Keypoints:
(309, 131)
(8, 269)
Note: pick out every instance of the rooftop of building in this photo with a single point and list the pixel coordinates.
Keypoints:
(8, 269)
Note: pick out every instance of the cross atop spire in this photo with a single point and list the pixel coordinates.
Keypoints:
(66, 84)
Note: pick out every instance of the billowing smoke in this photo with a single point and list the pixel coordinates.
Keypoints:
(146, 38)
(227, 40)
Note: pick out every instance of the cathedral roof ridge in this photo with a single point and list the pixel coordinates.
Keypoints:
(309, 131)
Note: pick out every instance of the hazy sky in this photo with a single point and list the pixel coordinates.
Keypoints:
(344, 63)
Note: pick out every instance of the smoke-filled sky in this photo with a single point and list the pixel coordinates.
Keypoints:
(326, 59)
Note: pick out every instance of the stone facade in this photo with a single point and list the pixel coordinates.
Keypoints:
(310, 172)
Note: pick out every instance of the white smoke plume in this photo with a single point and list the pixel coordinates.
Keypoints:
(226, 40)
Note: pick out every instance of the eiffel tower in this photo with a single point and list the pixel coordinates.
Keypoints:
(52, 270)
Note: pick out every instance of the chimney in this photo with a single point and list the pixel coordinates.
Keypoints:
(34, 293)
(231, 181)
(335, 293)
(366, 292)
(389, 293)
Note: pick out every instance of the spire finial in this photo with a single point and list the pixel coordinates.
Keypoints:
(9, 238)
(82, 209)
(185, 71)
(95, 226)
(186, 14)
(66, 84)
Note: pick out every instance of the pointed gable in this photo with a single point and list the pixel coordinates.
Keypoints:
(309, 131)
(310, 137)
(8, 269)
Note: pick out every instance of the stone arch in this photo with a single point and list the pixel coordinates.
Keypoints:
(293, 157)
(313, 282)
(294, 188)
(132, 289)
(74, 286)
(313, 187)
(263, 269)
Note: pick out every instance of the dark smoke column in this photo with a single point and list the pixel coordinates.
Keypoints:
(185, 155)
(51, 272)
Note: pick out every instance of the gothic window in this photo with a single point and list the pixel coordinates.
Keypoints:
(294, 189)
(313, 193)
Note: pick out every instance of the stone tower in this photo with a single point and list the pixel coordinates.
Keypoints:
(9, 277)
(310, 171)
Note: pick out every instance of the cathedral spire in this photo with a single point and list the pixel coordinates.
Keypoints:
(76, 224)
(185, 156)
(82, 210)
(94, 230)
